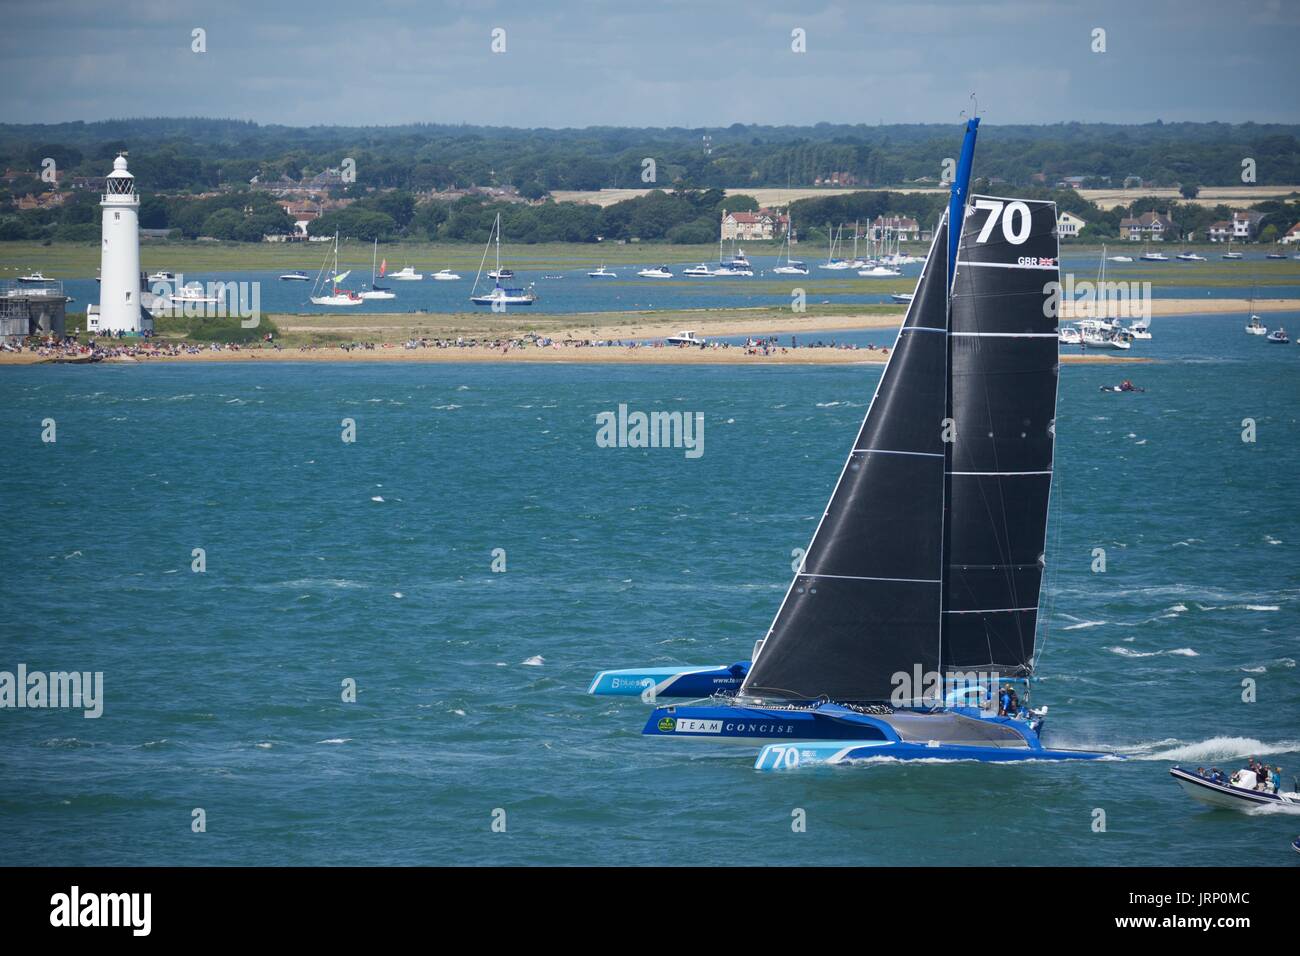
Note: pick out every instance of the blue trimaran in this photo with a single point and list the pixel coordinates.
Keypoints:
(916, 602)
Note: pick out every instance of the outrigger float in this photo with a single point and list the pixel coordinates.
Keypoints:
(916, 603)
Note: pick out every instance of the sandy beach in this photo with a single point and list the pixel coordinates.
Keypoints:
(535, 354)
(644, 325)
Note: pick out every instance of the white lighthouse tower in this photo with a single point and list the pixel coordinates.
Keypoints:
(119, 263)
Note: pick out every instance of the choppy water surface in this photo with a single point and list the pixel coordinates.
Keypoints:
(372, 561)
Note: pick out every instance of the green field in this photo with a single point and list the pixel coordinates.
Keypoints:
(62, 260)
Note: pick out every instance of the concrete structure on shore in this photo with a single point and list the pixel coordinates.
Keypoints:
(30, 308)
(120, 307)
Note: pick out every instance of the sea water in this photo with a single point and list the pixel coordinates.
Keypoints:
(226, 737)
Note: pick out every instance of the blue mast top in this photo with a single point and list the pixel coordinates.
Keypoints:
(960, 187)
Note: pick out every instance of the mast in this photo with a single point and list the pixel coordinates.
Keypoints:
(960, 187)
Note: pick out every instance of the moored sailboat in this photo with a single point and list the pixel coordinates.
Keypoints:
(336, 295)
(499, 297)
(377, 291)
(901, 640)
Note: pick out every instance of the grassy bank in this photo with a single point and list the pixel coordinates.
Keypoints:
(81, 260)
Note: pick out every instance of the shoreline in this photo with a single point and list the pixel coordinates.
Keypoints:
(587, 355)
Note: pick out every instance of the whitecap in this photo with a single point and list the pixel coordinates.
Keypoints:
(377, 498)
(537, 660)
(1221, 748)
(1083, 624)
(335, 740)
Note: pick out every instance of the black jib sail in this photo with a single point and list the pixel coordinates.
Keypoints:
(1004, 363)
(867, 602)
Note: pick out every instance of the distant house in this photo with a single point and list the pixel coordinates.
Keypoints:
(1071, 182)
(94, 184)
(1242, 227)
(302, 214)
(1155, 226)
(1245, 225)
(1292, 234)
(753, 226)
(836, 179)
(1068, 225)
(41, 200)
(1132, 182)
(908, 230)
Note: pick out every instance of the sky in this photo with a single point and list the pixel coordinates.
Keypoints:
(650, 62)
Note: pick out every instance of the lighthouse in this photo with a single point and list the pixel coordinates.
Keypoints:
(119, 263)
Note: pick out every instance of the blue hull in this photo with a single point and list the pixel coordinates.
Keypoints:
(833, 734)
(654, 682)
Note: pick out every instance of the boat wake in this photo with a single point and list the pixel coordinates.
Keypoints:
(1210, 750)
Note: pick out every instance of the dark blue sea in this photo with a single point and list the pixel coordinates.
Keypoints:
(371, 561)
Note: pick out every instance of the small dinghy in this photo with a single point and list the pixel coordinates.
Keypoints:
(1122, 388)
(1236, 793)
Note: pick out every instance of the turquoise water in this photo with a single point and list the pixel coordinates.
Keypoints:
(372, 561)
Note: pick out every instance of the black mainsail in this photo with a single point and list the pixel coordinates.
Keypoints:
(1004, 363)
(929, 554)
(867, 600)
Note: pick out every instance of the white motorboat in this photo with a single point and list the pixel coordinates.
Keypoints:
(1277, 337)
(445, 275)
(659, 273)
(295, 277)
(192, 292)
(1141, 328)
(602, 273)
(1121, 258)
(163, 276)
(879, 272)
(684, 338)
(34, 277)
(902, 298)
(406, 274)
(1236, 793)
(700, 271)
(1070, 335)
(1154, 257)
(1189, 257)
